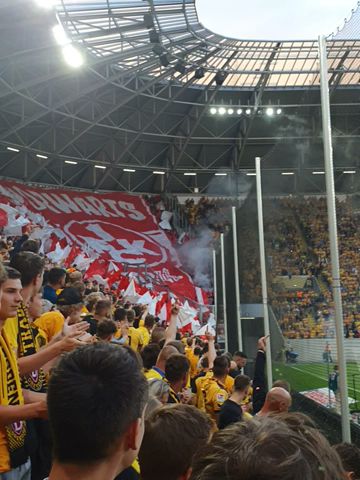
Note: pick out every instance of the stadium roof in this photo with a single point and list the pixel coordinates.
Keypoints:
(158, 92)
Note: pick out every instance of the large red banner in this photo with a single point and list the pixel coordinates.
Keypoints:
(115, 227)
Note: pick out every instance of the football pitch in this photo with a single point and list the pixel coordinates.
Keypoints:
(311, 376)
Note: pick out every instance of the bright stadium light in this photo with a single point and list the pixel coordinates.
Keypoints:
(239, 111)
(220, 174)
(269, 112)
(45, 3)
(251, 174)
(349, 172)
(279, 111)
(159, 173)
(190, 174)
(230, 111)
(287, 173)
(60, 35)
(72, 56)
(129, 170)
(222, 111)
(318, 173)
(213, 111)
(71, 162)
(12, 149)
(100, 167)
(248, 111)
(42, 156)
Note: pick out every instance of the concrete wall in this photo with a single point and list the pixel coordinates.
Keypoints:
(311, 350)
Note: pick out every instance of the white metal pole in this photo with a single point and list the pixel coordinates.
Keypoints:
(237, 279)
(334, 252)
(263, 272)
(224, 291)
(215, 286)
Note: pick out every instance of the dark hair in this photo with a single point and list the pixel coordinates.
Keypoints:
(97, 388)
(221, 366)
(173, 436)
(130, 315)
(3, 245)
(177, 366)
(149, 321)
(3, 274)
(55, 275)
(105, 328)
(157, 335)
(197, 351)
(240, 354)
(241, 382)
(29, 264)
(204, 362)
(149, 355)
(350, 458)
(30, 246)
(267, 449)
(101, 304)
(12, 274)
(120, 314)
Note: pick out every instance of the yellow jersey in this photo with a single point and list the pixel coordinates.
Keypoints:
(215, 394)
(135, 339)
(51, 323)
(144, 332)
(154, 373)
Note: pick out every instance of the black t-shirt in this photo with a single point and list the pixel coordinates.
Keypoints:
(230, 413)
(92, 324)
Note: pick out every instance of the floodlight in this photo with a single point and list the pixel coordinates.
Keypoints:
(248, 111)
(287, 173)
(239, 111)
(129, 170)
(190, 174)
(164, 60)
(222, 111)
(269, 111)
(100, 167)
(71, 162)
(213, 111)
(72, 56)
(199, 73)
(318, 173)
(220, 78)
(148, 20)
(180, 67)
(158, 173)
(279, 111)
(220, 174)
(12, 149)
(42, 156)
(154, 36)
(230, 111)
(351, 172)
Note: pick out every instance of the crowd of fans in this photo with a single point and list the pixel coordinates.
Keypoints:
(94, 387)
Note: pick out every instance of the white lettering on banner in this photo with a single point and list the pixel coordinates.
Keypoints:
(35, 198)
(86, 207)
(129, 207)
(99, 205)
(112, 205)
(62, 202)
(165, 276)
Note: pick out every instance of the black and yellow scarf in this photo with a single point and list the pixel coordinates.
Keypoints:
(27, 343)
(10, 394)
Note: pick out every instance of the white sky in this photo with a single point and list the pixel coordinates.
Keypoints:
(274, 19)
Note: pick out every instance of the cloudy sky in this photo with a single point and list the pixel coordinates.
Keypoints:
(274, 19)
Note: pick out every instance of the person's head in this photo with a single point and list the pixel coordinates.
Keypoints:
(35, 306)
(70, 303)
(149, 322)
(164, 355)
(31, 267)
(189, 341)
(173, 436)
(3, 277)
(96, 400)
(157, 335)
(204, 363)
(221, 366)
(120, 315)
(350, 458)
(282, 384)
(103, 308)
(240, 359)
(267, 449)
(159, 389)
(149, 355)
(178, 344)
(74, 277)
(242, 384)
(176, 371)
(11, 294)
(4, 251)
(130, 314)
(56, 278)
(92, 299)
(30, 245)
(105, 330)
(277, 400)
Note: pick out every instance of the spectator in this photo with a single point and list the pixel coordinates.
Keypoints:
(106, 330)
(266, 449)
(160, 390)
(173, 437)
(158, 370)
(149, 355)
(176, 373)
(231, 411)
(214, 390)
(102, 312)
(146, 329)
(350, 458)
(56, 281)
(277, 400)
(241, 360)
(81, 391)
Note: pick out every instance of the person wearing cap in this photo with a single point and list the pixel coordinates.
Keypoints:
(69, 304)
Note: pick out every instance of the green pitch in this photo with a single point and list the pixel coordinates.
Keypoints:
(310, 376)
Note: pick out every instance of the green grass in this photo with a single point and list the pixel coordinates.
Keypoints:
(310, 376)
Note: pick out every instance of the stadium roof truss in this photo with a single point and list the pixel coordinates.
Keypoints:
(143, 97)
